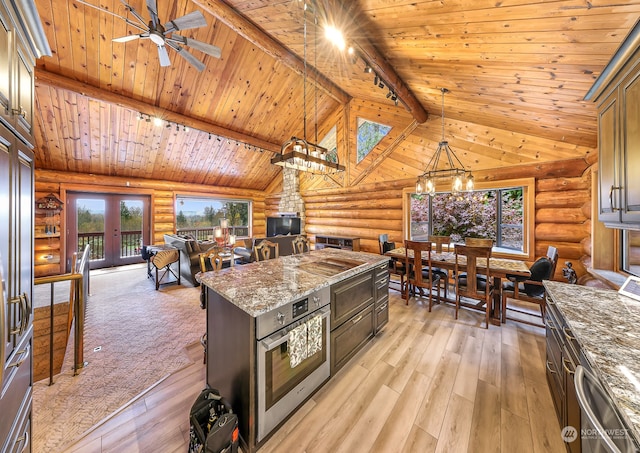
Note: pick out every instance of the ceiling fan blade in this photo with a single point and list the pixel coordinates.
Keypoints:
(194, 19)
(135, 13)
(209, 49)
(152, 6)
(130, 37)
(164, 56)
(128, 21)
(193, 61)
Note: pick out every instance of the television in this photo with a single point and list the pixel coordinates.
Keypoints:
(282, 226)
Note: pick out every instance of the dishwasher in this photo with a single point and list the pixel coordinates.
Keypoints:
(602, 430)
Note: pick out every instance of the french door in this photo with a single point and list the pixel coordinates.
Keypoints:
(115, 226)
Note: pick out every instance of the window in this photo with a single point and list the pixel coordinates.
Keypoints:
(329, 142)
(502, 213)
(631, 252)
(369, 135)
(199, 216)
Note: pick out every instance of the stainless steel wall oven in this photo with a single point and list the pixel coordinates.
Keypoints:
(293, 357)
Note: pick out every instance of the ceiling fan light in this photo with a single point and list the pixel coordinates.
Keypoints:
(156, 38)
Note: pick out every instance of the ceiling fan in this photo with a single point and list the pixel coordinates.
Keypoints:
(164, 36)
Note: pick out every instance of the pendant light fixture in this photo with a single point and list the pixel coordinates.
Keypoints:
(453, 173)
(300, 153)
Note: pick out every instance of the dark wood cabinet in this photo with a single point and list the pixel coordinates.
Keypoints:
(381, 309)
(352, 317)
(563, 355)
(617, 94)
(337, 242)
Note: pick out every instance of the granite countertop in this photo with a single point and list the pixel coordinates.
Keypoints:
(607, 327)
(262, 286)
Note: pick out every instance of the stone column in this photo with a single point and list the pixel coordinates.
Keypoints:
(291, 200)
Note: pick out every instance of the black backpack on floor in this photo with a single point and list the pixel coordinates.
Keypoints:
(213, 425)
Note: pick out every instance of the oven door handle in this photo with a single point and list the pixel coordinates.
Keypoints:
(271, 343)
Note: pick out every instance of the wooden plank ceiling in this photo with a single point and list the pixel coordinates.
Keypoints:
(517, 71)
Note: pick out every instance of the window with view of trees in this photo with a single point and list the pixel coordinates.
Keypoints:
(199, 216)
(497, 214)
(369, 135)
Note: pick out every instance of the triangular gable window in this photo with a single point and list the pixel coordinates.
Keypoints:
(369, 135)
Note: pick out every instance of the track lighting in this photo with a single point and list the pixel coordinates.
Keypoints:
(389, 94)
(381, 84)
(368, 69)
(376, 79)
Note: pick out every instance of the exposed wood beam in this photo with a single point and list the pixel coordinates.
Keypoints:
(57, 81)
(379, 64)
(249, 31)
(383, 155)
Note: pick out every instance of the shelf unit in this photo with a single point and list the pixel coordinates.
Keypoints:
(337, 242)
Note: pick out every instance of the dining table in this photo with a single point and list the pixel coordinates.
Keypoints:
(499, 268)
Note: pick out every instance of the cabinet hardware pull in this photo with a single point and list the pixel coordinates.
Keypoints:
(567, 332)
(564, 365)
(20, 112)
(26, 312)
(383, 307)
(24, 438)
(25, 356)
(613, 206)
(550, 324)
(357, 320)
(549, 368)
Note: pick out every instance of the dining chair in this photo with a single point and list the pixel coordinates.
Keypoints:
(213, 257)
(396, 266)
(439, 242)
(467, 284)
(479, 242)
(300, 245)
(529, 290)
(266, 250)
(418, 275)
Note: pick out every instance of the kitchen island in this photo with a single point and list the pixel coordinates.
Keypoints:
(255, 314)
(598, 329)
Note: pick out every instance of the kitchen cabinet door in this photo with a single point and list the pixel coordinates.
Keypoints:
(5, 63)
(23, 95)
(630, 158)
(609, 149)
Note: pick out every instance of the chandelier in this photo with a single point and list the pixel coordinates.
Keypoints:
(299, 153)
(456, 175)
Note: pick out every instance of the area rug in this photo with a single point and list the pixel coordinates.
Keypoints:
(134, 337)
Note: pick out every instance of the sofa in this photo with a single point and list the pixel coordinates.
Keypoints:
(285, 246)
(190, 251)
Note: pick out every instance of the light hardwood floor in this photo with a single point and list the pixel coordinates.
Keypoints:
(427, 383)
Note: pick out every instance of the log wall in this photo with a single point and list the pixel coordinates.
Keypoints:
(163, 195)
(562, 210)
